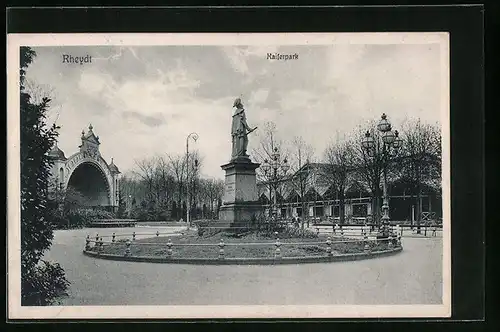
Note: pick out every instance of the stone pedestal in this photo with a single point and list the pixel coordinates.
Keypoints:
(240, 201)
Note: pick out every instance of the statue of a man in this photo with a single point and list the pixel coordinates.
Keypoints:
(240, 131)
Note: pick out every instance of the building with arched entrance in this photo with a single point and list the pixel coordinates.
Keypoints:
(86, 174)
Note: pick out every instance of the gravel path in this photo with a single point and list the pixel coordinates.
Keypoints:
(411, 277)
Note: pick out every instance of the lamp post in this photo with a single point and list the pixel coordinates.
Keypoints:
(275, 170)
(194, 136)
(390, 147)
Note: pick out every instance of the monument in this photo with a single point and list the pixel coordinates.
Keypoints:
(87, 173)
(240, 201)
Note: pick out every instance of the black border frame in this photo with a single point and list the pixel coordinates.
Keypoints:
(465, 24)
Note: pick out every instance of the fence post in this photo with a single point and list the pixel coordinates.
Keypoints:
(329, 246)
(169, 248)
(317, 231)
(98, 246)
(221, 249)
(277, 252)
(341, 232)
(389, 239)
(127, 250)
(114, 236)
(133, 236)
(367, 245)
(96, 239)
(335, 229)
(157, 233)
(87, 243)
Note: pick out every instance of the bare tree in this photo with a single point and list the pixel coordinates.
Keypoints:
(212, 190)
(131, 189)
(270, 143)
(38, 92)
(302, 154)
(146, 169)
(370, 167)
(178, 167)
(339, 162)
(421, 159)
(164, 184)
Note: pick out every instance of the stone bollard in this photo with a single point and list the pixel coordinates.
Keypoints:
(221, 249)
(277, 251)
(127, 250)
(113, 238)
(329, 246)
(133, 236)
(87, 243)
(157, 233)
(169, 248)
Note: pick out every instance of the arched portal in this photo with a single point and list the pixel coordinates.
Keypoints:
(89, 186)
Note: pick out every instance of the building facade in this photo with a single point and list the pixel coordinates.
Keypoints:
(321, 201)
(85, 175)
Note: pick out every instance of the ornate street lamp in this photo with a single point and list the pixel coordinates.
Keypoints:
(275, 170)
(390, 147)
(195, 137)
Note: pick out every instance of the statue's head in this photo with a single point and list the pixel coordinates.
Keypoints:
(237, 103)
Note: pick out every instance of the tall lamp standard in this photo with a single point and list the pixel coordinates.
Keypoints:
(275, 170)
(390, 147)
(194, 136)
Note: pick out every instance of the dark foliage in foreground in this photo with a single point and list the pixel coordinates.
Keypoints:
(41, 282)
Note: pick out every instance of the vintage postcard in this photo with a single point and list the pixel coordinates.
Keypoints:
(293, 175)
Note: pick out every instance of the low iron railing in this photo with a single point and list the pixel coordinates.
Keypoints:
(358, 231)
(97, 244)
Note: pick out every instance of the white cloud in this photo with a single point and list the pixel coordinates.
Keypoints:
(258, 97)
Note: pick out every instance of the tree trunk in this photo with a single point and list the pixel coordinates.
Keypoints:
(341, 208)
(419, 199)
(376, 210)
(419, 210)
(302, 217)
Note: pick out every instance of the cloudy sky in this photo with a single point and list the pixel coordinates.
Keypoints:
(144, 100)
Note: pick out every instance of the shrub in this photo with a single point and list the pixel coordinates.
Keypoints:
(43, 284)
(80, 217)
(201, 225)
